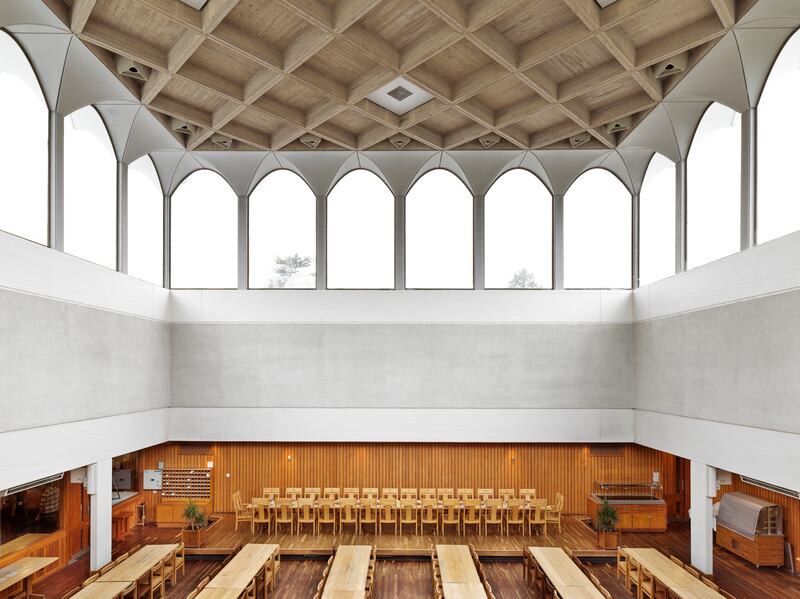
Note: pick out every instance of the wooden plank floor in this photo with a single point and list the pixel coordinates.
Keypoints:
(400, 577)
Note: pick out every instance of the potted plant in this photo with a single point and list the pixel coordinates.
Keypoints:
(607, 535)
(194, 533)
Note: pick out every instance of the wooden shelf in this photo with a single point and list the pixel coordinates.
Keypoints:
(185, 483)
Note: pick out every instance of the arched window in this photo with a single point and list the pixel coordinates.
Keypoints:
(360, 233)
(657, 221)
(90, 189)
(518, 221)
(597, 232)
(23, 156)
(778, 199)
(439, 233)
(145, 222)
(714, 187)
(204, 234)
(283, 240)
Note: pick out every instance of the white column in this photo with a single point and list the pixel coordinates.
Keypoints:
(55, 180)
(558, 241)
(635, 245)
(703, 489)
(98, 485)
(122, 217)
(322, 242)
(680, 216)
(399, 242)
(167, 236)
(749, 150)
(478, 240)
(243, 242)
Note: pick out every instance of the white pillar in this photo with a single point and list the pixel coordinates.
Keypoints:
(703, 489)
(399, 242)
(479, 249)
(558, 241)
(243, 242)
(322, 242)
(122, 217)
(98, 485)
(55, 180)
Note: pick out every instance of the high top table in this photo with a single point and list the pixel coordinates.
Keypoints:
(348, 576)
(460, 578)
(23, 570)
(243, 568)
(680, 582)
(564, 574)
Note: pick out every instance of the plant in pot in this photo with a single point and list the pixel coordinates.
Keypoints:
(607, 535)
(194, 533)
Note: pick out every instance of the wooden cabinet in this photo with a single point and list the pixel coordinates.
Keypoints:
(649, 516)
(170, 514)
(763, 550)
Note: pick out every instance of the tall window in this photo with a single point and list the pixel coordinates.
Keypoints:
(204, 233)
(439, 233)
(597, 232)
(518, 217)
(90, 189)
(283, 246)
(23, 158)
(714, 187)
(657, 221)
(778, 200)
(145, 222)
(360, 233)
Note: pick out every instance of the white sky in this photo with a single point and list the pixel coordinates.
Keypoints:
(145, 218)
(657, 221)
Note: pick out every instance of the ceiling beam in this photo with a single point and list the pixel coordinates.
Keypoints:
(79, 14)
(726, 11)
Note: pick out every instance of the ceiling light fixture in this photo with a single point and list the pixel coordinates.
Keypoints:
(399, 96)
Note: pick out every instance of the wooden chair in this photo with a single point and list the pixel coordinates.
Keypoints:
(493, 515)
(107, 568)
(408, 514)
(622, 563)
(312, 493)
(306, 514)
(180, 559)
(527, 494)
(529, 568)
(451, 514)
(515, 515)
(709, 582)
(390, 493)
(430, 514)
(90, 580)
(427, 493)
(408, 493)
(605, 593)
(332, 493)
(170, 575)
(463, 494)
(275, 563)
(485, 494)
(261, 515)
(202, 584)
(326, 514)
(552, 514)
(536, 519)
(676, 560)
(151, 582)
(351, 493)
(348, 513)
(283, 513)
(294, 493)
(632, 575)
(250, 590)
(472, 515)
(649, 586)
(388, 514)
(71, 592)
(121, 558)
(726, 594)
(242, 511)
(443, 494)
(270, 493)
(193, 594)
(369, 493)
(691, 570)
(368, 515)
(506, 494)
(134, 549)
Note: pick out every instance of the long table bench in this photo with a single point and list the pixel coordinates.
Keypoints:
(348, 576)
(460, 578)
(564, 574)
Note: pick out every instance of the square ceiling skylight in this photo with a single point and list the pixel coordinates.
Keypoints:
(399, 96)
(604, 3)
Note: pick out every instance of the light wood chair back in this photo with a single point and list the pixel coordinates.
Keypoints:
(507, 494)
(107, 568)
(427, 493)
(90, 580)
(312, 493)
(332, 492)
(493, 515)
(390, 493)
(485, 494)
(368, 515)
(465, 493)
(271, 493)
(348, 513)
(409, 514)
(709, 582)
(388, 513)
(408, 493)
(294, 492)
(527, 494)
(443, 494)
(369, 493)
(351, 492)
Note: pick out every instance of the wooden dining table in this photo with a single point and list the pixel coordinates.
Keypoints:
(348, 576)
(207, 593)
(23, 570)
(244, 566)
(680, 582)
(460, 578)
(564, 574)
(139, 563)
(102, 590)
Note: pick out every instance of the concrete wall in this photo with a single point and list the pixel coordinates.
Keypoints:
(403, 365)
(737, 363)
(63, 362)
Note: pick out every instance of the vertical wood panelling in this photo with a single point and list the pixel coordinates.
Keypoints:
(550, 468)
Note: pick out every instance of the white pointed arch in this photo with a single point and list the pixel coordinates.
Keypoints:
(778, 180)
(597, 231)
(439, 232)
(440, 160)
(145, 222)
(360, 232)
(282, 232)
(657, 220)
(518, 232)
(358, 161)
(24, 158)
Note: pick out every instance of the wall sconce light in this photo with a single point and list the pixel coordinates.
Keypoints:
(289, 457)
(209, 464)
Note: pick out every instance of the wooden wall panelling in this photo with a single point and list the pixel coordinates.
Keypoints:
(550, 468)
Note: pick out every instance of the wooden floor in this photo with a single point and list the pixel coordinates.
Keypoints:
(400, 576)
